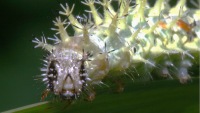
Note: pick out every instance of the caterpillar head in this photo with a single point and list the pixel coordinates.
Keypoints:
(65, 74)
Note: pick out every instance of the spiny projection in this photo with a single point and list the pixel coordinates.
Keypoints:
(134, 40)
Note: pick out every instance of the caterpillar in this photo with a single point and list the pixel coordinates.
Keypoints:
(134, 40)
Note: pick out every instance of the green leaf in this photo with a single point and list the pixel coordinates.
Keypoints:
(163, 96)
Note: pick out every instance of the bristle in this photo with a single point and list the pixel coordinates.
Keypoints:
(134, 40)
(94, 12)
(67, 12)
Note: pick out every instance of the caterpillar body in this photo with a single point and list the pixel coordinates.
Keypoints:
(134, 40)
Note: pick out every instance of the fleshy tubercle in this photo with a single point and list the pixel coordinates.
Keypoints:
(135, 37)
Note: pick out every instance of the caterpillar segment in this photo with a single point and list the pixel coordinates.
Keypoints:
(134, 40)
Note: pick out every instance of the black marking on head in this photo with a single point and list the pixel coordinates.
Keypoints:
(82, 65)
(83, 71)
(52, 71)
(82, 68)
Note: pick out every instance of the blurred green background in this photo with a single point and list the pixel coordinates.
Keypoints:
(19, 61)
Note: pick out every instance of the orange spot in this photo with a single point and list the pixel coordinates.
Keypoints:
(162, 25)
(183, 25)
(91, 96)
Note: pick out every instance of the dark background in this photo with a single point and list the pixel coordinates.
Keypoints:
(20, 21)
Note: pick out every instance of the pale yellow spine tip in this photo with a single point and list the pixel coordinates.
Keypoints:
(96, 16)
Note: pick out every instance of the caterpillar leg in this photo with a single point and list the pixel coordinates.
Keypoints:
(119, 86)
(90, 95)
